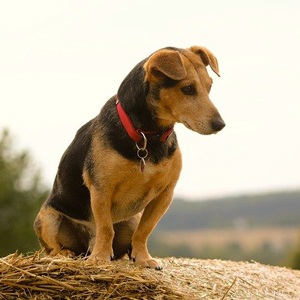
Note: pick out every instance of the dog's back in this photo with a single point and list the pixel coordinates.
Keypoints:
(69, 195)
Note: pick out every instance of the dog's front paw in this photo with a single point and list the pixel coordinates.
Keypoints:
(101, 258)
(145, 260)
(148, 263)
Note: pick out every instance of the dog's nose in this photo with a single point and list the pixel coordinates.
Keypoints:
(218, 124)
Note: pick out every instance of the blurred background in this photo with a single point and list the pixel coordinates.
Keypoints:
(238, 196)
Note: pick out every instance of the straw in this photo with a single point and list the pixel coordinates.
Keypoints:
(37, 277)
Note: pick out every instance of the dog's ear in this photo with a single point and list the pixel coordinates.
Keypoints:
(165, 62)
(207, 57)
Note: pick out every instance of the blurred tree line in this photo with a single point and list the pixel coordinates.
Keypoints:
(280, 209)
(21, 195)
(294, 257)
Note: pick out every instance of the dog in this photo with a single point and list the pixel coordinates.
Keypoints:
(116, 179)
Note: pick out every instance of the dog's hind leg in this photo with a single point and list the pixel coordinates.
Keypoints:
(58, 235)
(124, 231)
(76, 235)
(46, 226)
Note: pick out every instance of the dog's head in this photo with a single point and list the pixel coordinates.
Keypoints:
(179, 87)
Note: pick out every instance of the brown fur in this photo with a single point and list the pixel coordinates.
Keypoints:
(122, 184)
(127, 204)
(196, 113)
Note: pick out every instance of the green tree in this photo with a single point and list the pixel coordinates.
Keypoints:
(21, 195)
(294, 258)
(295, 261)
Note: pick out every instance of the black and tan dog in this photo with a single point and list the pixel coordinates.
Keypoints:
(116, 179)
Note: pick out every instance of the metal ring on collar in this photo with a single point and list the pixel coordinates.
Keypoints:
(139, 154)
(144, 142)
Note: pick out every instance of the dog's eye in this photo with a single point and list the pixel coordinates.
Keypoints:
(189, 89)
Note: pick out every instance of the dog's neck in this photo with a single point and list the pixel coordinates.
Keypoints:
(133, 95)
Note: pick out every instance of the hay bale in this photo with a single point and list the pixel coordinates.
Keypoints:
(33, 277)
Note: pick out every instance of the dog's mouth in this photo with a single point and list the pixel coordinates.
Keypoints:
(187, 125)
(199, 128)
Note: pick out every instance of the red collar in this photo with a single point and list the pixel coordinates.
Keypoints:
(135, 134)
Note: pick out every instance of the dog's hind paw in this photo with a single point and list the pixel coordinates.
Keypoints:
(100, 259)
(63, 252)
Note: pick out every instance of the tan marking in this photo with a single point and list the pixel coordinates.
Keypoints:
(125, 183)
(101, 209)
(165, 62)
(196, 112)
(63, 252)
(47, 226)
(117, 186)
(48, 233)
(151, 216)
(207, 57)
(86, 179)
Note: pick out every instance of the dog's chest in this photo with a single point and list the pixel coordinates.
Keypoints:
(136, 190)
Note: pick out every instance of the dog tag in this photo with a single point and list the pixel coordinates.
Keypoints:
(142, 164)
(142, 153)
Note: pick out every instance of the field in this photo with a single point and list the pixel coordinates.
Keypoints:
(247, 238)
(274, 246)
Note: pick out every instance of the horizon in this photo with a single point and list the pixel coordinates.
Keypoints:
(238, 196)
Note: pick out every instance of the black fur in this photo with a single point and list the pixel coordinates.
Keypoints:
(69, 195)
(74, 237)
(132, 95)
(118, 138)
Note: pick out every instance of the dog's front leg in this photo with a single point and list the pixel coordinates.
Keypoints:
(101, 209)
(151, 216)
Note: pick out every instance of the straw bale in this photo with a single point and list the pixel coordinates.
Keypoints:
(36, 277)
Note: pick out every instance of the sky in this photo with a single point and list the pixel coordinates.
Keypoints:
(60, 61)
